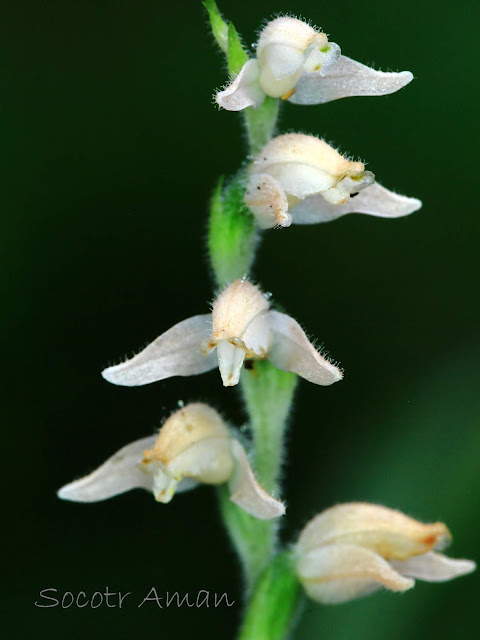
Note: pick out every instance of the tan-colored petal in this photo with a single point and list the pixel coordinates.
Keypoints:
(388, 532)
(189, 425)
(234, 309)
(266, 199)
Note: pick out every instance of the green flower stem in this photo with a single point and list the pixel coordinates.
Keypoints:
(274, 603)
(268, 393)
(254, 539)
(232, 233)
(261, 123)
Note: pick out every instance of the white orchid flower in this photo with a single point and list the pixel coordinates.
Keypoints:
(352, 550)
(193, 446)
(296, 62)
(241, 325)
(300, 179)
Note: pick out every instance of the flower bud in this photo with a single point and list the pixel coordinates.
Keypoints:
(353, 549)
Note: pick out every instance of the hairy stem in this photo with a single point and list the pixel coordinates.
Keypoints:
(274, 603)
(232, 234)
(254, 539)
(261, 123)
(268, 394)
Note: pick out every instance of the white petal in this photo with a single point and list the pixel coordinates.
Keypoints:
(282, 49)
(176, 352)
(266, 199)
(245, 91)
(433, 567)
(301, 180)
(374, 200)
(341, 572)
(303, 164)
(230, 361)
(347, 78)
(117, 475)
(282, 59)
(292, 351)
(247, 493)
(256, 336)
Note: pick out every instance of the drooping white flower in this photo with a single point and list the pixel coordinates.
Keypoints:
(296, 62)
(241, 325)
(354, 549)
(193, 446)
(300, 179)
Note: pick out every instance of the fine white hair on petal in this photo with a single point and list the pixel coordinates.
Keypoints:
(433, 567)
(344, 79)
(245, 90)
(117, 475)
(246, 491)
(291, 350)
(374, 200)
(235, 308)
(177, 352)
(338, 573)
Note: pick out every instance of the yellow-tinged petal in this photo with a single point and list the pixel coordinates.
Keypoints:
(388, 532)
(187, 426)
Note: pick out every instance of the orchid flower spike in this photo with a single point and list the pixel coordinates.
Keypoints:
(300, 179)
(352, 550)
(241, 325)
(193, 446)
(296, 62)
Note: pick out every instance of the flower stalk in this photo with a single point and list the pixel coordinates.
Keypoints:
(232, 232)
(268, 394)
(274, 603)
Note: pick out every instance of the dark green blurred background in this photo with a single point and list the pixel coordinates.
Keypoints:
(110, 147)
